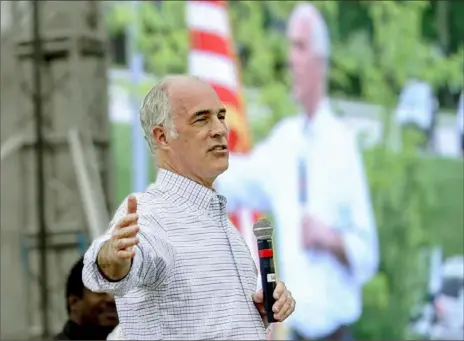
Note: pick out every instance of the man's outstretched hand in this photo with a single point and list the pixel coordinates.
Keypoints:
(115, 257)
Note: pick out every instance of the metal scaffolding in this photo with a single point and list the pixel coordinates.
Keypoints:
(39, 153)
(56, 168)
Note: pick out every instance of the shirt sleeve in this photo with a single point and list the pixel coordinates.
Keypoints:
(148, 265)
(360, 238)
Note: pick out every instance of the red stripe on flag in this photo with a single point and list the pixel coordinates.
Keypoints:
(212, 2)
(233, 139)
(210, 42)
(228, 97)
(234, 219)
(256, 216)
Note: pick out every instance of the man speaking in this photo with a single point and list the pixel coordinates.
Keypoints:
(177, 267)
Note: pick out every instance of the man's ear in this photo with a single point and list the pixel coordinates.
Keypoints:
(160, 137)
(74, 303)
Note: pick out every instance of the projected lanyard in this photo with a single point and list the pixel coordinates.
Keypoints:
(343, 211)
(303, 168)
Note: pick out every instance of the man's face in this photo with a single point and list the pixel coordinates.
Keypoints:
(200, 149)
(98, 309)
(306, 67)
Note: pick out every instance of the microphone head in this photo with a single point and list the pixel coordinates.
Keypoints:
(263, 229)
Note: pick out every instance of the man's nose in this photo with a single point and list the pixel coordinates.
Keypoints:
(218, 128)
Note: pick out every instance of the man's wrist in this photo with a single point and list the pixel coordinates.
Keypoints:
(111, 271)
(336, 246)
(332, 240)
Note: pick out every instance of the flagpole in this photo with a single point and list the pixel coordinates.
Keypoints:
(139, 160)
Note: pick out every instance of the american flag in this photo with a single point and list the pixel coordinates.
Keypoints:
(212, 57)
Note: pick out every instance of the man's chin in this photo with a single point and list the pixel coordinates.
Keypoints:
(222, 167)
(108, 320)
(225, 166)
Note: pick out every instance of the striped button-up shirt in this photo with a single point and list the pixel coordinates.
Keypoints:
(192, 275)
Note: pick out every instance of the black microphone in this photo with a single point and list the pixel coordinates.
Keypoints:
(263, 232)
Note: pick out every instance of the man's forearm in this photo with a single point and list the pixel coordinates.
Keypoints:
(337, 248)
(111, 270)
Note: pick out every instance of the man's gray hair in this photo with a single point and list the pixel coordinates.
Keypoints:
(320, 38)
(156, 110)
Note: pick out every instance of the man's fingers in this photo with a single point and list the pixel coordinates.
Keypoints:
(130, 219)
(126, 232)
(281, 307)
(279, 290)
(289, 311)
(258, 297)
(126, 254)
(124, 243)
(284, 306)
(279, 303)
(131, 204)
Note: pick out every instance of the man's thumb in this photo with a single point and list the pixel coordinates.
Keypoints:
(258, 297)
(131, 204)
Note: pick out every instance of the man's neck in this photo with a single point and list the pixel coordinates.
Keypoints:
(78, 331)
(311, 106)
(170, 167)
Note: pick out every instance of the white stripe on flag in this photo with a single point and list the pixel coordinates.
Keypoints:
(208, 17)
(213, 68)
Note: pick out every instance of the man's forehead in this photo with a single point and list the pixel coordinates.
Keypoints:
(299, 26)
(193, 95)
(181, 85)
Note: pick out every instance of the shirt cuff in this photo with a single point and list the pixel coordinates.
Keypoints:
(358, 257)
(96, 281)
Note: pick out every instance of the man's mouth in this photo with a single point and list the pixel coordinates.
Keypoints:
(219, 147)
(110, 314)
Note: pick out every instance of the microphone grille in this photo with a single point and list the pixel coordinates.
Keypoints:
(263, 229)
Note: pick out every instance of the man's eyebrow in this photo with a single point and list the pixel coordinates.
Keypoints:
(207, 112)
(201, 113)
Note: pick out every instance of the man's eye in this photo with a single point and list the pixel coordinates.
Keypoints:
(222, 117)
(200, 120)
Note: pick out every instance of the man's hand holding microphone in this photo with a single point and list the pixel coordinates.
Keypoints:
(115, 256)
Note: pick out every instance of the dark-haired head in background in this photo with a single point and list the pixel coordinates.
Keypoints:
(92, 316)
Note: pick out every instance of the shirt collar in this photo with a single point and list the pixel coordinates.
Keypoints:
(199, 195)
(314, 124)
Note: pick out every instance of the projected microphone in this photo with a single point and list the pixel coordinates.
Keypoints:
(263, 232)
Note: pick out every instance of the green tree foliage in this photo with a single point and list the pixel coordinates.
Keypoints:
(400, 191)
(376, 47)
(263, 58)
(162, 33)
